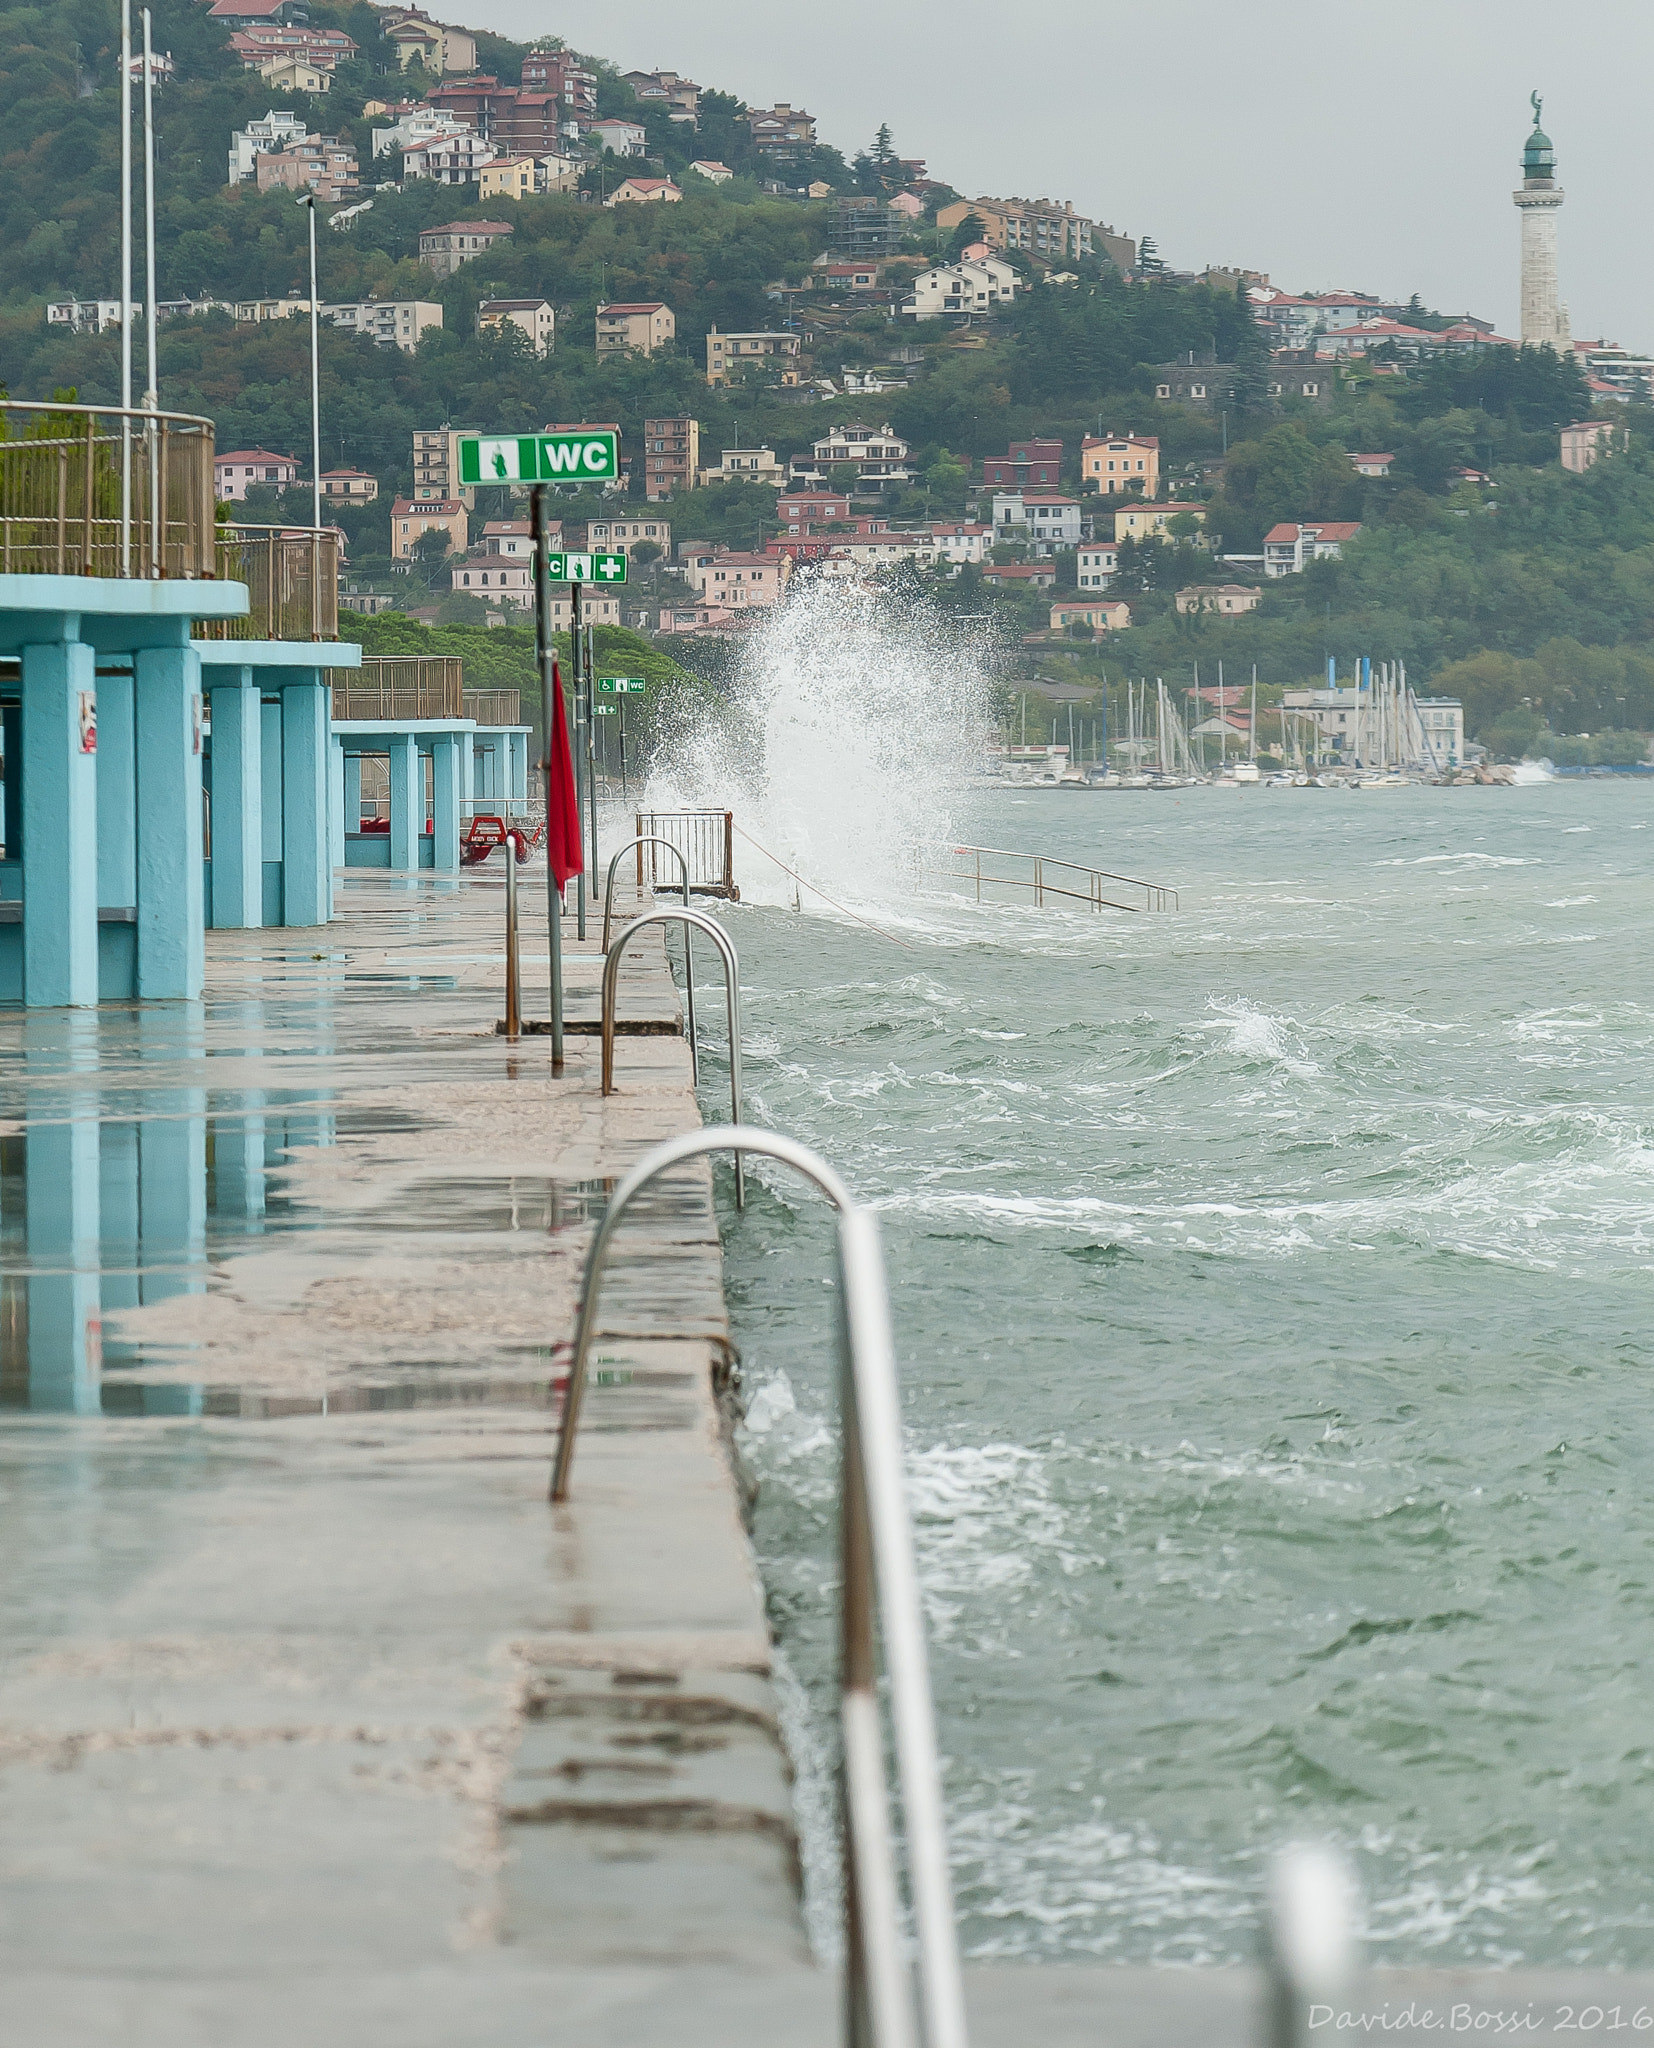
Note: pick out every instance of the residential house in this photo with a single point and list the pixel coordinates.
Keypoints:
(437, 47)
(240, 470)
(806, 511)
(1198, 384)
(556, 174)
(1015, 576)
(881, 458)
(618, 137)
(863, 227)
(1114, 463)
(744, 466)
(1101, 614)
(509, 177)
(1441, 721)
(1289, 546)
(457, 158)
(88, 316)
(1586, 440)
(1227, 600)
(671, 456)
(392, 323)
(956, 290)
(274, 133)
(295, 74)
(713, 172)
(1041, 227)
(1371, 465)
(858, 556)
(908, 204)
(497, 579)
(624, 534)
(639, 328)
(597, 607)
(953, 543)
(534, 318)
(1096, 564)
(725, 352)
(739, 580)
(353, 486)
(436, 467)
(444, 249)
(829, 275)
(561, 75)
(413, 127)
(413, 517)
(1605, 362)
(696, 619)
(1409, 343)
(1026, 462)
(644, 192)
(1042, 520)
(1148, 522)
(514, 538)
(254, 312)
(781, 131)
(680, 96)
(1293, 382)
(321, 164)
(263, 45)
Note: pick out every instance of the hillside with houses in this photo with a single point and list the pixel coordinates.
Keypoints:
(822, 363)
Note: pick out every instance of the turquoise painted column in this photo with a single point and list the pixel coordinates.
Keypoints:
(171, 909)
(117, 794)
(445, 788)
(353, 792)
(517, 783)
(60, 1181)
(336, 801)
(307, 851)
(237, 801)
(407, 779)
(60, 827)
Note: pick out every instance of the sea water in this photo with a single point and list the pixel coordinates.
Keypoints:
(1271, 1281)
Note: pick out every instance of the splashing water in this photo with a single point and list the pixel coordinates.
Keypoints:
(854, 724)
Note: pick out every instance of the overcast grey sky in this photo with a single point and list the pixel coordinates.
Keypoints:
(1329, 145)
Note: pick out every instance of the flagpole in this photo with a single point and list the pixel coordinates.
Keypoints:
(548, 711)
(126, 287)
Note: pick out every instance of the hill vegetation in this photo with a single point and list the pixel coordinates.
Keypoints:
(1532, 594)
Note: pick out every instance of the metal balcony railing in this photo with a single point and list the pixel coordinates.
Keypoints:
(706, 839)
(292, 579)
(392, 686)
(105, 491)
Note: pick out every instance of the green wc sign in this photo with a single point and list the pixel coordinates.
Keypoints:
(581, 455)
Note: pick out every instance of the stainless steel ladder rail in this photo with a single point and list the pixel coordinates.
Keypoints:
(637, 845)
(880, 1598)
(732, 999)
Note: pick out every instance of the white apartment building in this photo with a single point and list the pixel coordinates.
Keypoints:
(738, 580)
(1292, 544)
(454, 159)
(956, 543)
(953, 289)
(881, 457)
(413, 131)
(1441, 720)
(277, 131)
(1044, 521)
(1096, 563)
(392, 323)
(535, 318)
(497, 578)
(623, 535)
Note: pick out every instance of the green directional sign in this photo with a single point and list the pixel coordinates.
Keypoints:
(621, 686)
(606, 568)
(605, 711)
(581, 455)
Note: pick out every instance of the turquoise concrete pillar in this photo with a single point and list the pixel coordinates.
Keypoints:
(60, 1180)
(269, 724)
(446, 756)
(353, 792)
(307, 852)
(171, 909)
(407, 780)
(237, 801)
(336, 801)
(117, 794)
(60, 826)
(517, 784)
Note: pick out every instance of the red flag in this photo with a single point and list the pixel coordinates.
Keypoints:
(563, 851)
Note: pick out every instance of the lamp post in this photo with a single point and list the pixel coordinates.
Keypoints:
(308, 202)
(126, 287)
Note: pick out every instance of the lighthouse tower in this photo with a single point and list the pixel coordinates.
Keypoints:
(1544, 317)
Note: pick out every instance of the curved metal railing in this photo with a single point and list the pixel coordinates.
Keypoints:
(880, 1599)
(292, 579)
(1156, 895)
(105, 490)
(642, 840)
(732, 997)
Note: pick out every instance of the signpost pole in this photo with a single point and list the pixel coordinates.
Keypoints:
(591, 751)
(625, 796)
(544, 650)
(580, 710)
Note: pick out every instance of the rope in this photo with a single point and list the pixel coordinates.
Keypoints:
(822, 893)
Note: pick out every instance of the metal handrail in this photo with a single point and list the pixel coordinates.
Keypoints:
(654, 839)
(75, 503)
(513, 961)
(732, 998)
(1157, 895)
(880, 1597)
(292, 578)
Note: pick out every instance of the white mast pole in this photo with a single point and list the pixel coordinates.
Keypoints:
(152, 392)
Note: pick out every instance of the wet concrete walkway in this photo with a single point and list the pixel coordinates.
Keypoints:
(316, 1721)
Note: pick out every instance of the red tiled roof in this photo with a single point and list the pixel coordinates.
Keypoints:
(1324, 529)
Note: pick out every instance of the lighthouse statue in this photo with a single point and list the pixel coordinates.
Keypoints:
(1544, 317)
